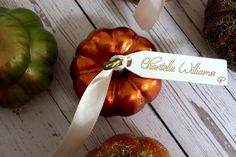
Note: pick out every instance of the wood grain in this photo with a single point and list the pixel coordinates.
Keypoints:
(189, 119)
(47, 117)
(191, 23)
(181, 35)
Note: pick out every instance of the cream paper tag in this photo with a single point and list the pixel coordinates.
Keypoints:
(147, 12)
(178, 67)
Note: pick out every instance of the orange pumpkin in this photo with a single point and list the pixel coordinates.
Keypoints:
(126, 145)
(127, 93)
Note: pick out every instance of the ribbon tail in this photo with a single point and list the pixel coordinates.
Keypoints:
(86, 115)
(147, 12)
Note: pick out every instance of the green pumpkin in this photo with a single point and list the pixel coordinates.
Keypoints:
(220, 29)
(27, 55)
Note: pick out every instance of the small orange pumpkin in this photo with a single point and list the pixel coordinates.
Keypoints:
(127, 93)
(126, 145)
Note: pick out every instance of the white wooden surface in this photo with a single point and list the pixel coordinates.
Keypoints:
(189, 119)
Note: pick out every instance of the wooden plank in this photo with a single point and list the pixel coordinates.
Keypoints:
(69, 25)
(192, 29)
(189, 15)
(34, 132)
(202, 140)
(204, 118)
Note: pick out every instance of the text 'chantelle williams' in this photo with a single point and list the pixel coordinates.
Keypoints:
(158, 64)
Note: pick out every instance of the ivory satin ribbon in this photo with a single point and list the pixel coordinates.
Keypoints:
(147, 12)
(86, 115)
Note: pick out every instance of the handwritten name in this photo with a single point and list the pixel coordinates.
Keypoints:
(157, 64)
(195, 69)
(154, 64)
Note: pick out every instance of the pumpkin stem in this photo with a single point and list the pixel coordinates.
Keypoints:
(112, 64)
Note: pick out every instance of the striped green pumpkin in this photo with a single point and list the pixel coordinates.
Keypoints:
(220, 29)
(27, 55)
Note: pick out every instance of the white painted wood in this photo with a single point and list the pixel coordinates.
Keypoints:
(182, 11)
(229, 105)
(35, 132)
(201, 117)
(203, 139)
(69, 25)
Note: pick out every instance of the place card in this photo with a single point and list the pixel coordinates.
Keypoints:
(178, 67)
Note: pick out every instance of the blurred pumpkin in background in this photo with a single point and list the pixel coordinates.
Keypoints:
(27, 55)
(127, 145)
(127, 93)
(220, 29)
(136, 1)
